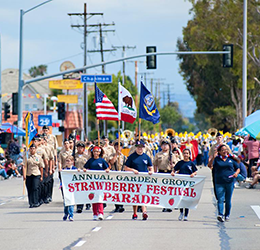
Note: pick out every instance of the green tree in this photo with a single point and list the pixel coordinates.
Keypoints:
(215, 23)
(40, 70)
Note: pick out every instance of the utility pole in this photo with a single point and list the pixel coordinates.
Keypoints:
(169, 100)
(123, 55)
(85, 86)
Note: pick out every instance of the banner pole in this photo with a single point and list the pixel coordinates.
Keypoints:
(119, 137)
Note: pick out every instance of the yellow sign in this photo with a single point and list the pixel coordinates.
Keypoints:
(65, 84)
(68, 98)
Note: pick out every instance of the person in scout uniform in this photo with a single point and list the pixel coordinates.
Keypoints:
(108, 150)
(50, 153)
(33, 175)
(80, 160)
(63, 155)
(51, 140)
(40, 150)
(164, 162)
(116, 163)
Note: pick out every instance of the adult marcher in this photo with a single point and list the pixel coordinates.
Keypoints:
(205, 152)
(96, 162)
(33, 175)
(226, 169)
(43, 185)
(252, 154)
(164, 162)
(116, 163)
(53, 141)
(80, 160)
(187, 167)
(212, 152)
(139, 162)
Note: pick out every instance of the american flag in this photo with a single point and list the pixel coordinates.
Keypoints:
(105, 109)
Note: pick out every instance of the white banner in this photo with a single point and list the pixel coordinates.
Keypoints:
(126, 188)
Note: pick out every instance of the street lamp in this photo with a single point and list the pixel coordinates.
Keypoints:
(20, 81)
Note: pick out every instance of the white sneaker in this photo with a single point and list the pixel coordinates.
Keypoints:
(236, 184)
(185, 218)
(100, 217)
(180, 216)
(11, 176)
(95, 217)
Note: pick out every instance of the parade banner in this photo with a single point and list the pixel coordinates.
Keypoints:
(127, 188)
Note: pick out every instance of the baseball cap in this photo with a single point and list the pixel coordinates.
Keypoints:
(140, 143)
(45, 127)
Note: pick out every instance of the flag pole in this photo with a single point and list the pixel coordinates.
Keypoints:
(98, 132)
(139, 129)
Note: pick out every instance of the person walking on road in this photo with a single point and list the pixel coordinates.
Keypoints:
(33, 175)
(139, 162)
(96, 162)
(226, 170)
(185, 166)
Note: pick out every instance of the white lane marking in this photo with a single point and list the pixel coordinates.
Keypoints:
(20, 198)
(109, 217)
(95, 229)
(256, 210)
(2, 204)
(80, 243)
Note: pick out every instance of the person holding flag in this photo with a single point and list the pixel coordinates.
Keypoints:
(32, 165)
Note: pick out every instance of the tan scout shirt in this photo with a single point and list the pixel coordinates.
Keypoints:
(63, 156)
(34, 163)
(162, 161)
(119, 163)
(40, 150)
(48, 150)
(52, 140)
(80, 160)
(108, 151)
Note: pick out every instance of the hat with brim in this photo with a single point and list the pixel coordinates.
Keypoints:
(140, 144)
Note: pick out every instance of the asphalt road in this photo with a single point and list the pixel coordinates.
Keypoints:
(43, 227)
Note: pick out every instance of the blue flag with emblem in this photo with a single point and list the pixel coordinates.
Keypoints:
(30, 129)
(147, 109)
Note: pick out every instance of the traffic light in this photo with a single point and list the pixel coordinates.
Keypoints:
(61, 129)
(228, 58)
(61, 111)
(7, 111)
(15, 103)
(150, 60)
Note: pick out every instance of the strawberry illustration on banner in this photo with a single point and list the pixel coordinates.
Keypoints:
(126, 105)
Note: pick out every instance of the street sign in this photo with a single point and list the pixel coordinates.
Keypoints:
(98, 78)
(44, 120)
(65, 84)
(68, 98)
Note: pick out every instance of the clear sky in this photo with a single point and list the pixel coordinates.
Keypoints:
(49, 39)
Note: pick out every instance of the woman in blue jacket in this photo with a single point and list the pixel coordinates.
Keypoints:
(226, 170)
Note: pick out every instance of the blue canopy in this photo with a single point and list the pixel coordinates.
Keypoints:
(14, 129)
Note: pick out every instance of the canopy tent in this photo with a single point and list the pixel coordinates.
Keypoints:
(8, 127)
(254, 117)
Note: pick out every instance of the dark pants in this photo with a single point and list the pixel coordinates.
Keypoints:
(33, 188)
(199, 159)
(252, 162)
(44, 187)
(50, 186)
(186, 212)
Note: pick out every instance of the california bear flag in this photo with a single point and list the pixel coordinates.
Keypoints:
(126, 105)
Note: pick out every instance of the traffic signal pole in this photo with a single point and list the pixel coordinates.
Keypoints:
(120, 60)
